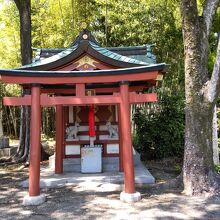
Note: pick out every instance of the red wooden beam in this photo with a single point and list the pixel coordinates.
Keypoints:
(141, 98)
(86, 100)
(72, 100)
(88, 79)
(80, 89)
(98, 90)
(63, 100)
(17, 101)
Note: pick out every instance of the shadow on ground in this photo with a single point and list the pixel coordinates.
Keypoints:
(95, 202)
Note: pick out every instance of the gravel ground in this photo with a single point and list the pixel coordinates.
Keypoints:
(99, 202)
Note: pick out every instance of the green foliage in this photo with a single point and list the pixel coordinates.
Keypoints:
(9, 35)
(213, 41)
(160, 133)
(56, 23)
(217, 168)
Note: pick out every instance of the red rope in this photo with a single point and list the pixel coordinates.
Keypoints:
(91, 121)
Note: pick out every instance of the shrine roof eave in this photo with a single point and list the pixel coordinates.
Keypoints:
(143, 73)
(123, 71)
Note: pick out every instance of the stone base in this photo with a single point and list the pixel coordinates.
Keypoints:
(8, 151)
(4, 142)
(34, 200)
(130, 197)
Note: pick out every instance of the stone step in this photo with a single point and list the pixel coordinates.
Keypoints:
(77, 168)
(8, 151)
(108, 163)
(110, 167)
(72, 161)
(74, 164)
(110, 160)
(73, 168)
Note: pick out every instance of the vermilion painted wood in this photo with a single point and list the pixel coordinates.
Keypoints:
(73, 100)
(35, 150)
(59, 140)
(98, 90)
(120, 141)
(80, 89)
(17, 101)
(65, 122)
(140, 98)
(128, 162)
(88, 79)
(96, 142)
(87, 100)
(64, 100)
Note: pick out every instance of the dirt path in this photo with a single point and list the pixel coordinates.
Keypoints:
(93, 202)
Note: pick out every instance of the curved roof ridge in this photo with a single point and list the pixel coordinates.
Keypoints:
(53, 58)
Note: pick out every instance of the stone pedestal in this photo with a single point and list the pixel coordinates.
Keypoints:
(130, 197)
(5, 149)
(34, 200)
(4, 142)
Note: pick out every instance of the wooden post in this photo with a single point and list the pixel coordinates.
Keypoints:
(65, 113)
(128, 162)
(59, 140)
(35, 139)
(120, 140)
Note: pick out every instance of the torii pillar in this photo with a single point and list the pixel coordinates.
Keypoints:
(129, 194)
(34, 197)
(59, 140)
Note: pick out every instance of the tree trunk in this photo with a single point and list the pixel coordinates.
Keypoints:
(23, 150)
(198, 174)
(13, 120)
(198, 170)
(22, 133)
(24, 8)
(215, 137)
(1, 127)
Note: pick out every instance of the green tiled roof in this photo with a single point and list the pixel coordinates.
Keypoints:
(116, 56)
(53, 58)
(140, 53)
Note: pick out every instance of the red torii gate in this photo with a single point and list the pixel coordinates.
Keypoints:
(36, 101)
(121, 94)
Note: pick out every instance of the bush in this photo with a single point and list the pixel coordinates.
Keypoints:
(217, 168)
(160, 133)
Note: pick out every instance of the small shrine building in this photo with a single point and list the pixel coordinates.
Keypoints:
(91, 88)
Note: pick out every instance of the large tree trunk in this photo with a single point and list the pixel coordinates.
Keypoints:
(24, 7)
(198, 170)
(23, 150)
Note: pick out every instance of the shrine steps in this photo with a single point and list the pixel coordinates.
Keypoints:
(109, 164)
(49, 179)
